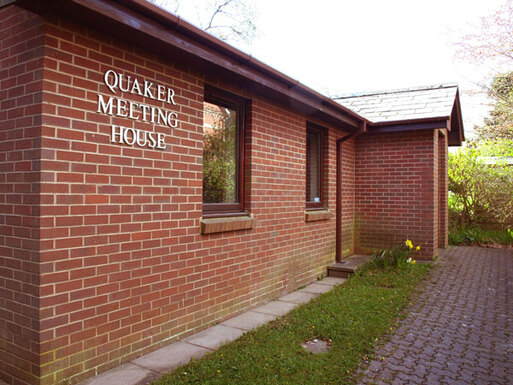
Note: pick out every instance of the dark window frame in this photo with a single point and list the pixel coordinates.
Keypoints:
(226, 99)
(321, 132)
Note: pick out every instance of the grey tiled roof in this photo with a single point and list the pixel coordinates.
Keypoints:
(397, 105)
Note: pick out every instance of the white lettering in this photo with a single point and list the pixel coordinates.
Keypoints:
(131, 110)
(135, 111)
(147, 90)
(115, 106)
(125, 83)
(153, 142)
(106, 108)
(114, 134)
(162, 116)
(141, 138)
(172, 120)
(161, 141)
(152, 115)
(145, 110)
(140, 133)
(121, 111)
(130, 141)
(126, 89)
(161, 93)
(136, 88)
(112, 85)
(171, 96)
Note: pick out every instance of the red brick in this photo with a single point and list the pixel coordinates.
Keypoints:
(385, 217)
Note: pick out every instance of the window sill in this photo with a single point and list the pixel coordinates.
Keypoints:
(221, 225)
(317, 215)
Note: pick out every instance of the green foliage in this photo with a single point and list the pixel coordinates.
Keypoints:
(352, 316)
(481, 194)
(464, 167)
(396, 257)
(496, 147)
(220, 157)
(500, 123)
(477, 236)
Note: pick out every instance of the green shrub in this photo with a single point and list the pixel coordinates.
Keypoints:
(480, 194)
(396, 257)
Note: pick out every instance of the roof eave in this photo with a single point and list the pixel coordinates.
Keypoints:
(409, 125)
(452, 122)
(139, 20)
(457, 133)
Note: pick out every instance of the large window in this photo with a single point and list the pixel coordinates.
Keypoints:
(314, 167)
(223, 153)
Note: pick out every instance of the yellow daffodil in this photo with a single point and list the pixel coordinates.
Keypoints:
(413, 262)
(418, 248)
(409, 244)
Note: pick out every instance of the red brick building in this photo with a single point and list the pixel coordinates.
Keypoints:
(155, 180)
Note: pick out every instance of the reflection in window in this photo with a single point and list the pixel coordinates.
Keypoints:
(313, 168)
(219, 154)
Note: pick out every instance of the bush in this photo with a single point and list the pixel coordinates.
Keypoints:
(480, 194)
(396, 257)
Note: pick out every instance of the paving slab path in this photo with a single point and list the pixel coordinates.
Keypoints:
(150, 367)
(459, 330)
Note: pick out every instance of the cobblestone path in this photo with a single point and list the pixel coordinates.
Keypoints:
(459, 330)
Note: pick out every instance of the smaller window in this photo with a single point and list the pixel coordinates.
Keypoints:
(314, 167)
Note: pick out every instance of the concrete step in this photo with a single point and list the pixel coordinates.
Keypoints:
(348, 266)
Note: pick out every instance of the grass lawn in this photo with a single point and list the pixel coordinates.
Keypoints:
(479, 237)
(353, 316)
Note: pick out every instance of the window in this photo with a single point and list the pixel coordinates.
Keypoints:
(314, 167)
(223, 153)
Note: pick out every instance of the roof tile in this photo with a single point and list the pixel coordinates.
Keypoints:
(396, 105)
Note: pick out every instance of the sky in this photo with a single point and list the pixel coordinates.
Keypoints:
(340, 47)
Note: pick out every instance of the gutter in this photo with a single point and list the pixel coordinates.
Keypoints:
(180, 24)
(165, 17)
(153, 28)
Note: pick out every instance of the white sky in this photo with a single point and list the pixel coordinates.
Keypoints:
(340, 47)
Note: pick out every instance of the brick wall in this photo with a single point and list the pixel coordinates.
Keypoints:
(397, 190)
(435, 196)
(21, 52)
(122, 266)
(348, 197)
(443, 189)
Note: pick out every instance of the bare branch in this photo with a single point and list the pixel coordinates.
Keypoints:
(227, 19)
(217, 11)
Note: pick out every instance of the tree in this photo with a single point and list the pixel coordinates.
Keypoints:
(500, 123)
(229, 20)
(492, 42)
(490, 45)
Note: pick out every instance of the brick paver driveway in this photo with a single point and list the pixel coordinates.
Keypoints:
(460, 330)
